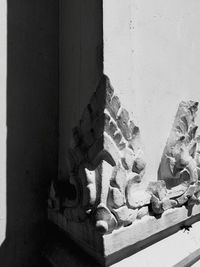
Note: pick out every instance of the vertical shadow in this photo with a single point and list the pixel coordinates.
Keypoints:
(32, 124)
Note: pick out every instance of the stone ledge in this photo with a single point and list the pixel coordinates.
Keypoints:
(122, 243)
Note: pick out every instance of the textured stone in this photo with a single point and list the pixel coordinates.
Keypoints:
(122, 122)
(114, 106)
(193, 200)
(113, 128)
(142, 212)
(95, 149)
(117, 137)
(158, 189)
(116, 198)
(124, 215)
(168, 203)
(120, 179)
(105, 220)
(121, 145)
(188, 193)
(106, 146)
(134, 129)
(197, 188)
(98, 126)
(179, 155)
(182, 199)
(177, 191)
(139, 165)
(109, 145)
(91, 186)
(137, 199)
(129, 157)
(156, 205)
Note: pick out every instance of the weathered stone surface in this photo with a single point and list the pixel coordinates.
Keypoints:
(109, 145)
(105, 221)
(114, 106)
(124, 215)
(121, 145)
(139, 165)
(122, 122)
(156, 205)
(168, 203)
(113, 128)
(134, 129)
(184, 198)
(116, 198)
(128, 158)
(119, 178)
(142, 212)
(158, 189)
(98, 126)
(190, 191)
(105, 163)
(179, 155)
(91, 186)
(137, 199)
(193, 200)
(197, 188)
(177, 191)
(117, 137)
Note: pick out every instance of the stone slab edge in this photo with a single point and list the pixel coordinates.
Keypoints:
(124, 242)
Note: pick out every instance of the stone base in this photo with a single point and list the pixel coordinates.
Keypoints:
(111, 248)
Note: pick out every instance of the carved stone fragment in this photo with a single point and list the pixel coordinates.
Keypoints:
(124, 215)
(106, 167)
(137, 199)
(142, 212)
(106, 164)
(179, 155)
(168, 203)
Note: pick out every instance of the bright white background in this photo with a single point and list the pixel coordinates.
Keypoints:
(152, 56)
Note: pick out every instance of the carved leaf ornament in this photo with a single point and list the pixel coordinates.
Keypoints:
(106, 167)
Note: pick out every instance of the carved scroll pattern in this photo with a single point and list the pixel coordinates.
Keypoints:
(106, 167)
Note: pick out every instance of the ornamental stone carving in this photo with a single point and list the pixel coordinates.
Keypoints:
(103, 191)
(106, 165)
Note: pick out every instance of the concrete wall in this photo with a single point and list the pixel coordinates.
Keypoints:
(152, 56)
(32, 124)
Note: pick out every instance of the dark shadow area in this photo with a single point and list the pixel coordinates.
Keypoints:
(32, 121)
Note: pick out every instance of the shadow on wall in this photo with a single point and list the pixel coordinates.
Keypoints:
(32, 121)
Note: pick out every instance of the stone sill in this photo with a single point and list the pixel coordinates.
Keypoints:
(111, 248)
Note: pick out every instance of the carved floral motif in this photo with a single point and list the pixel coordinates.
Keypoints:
(106, 167)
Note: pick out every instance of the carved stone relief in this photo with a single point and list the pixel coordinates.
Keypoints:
(106, 167)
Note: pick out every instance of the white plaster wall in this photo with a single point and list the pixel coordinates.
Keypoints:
(152, 56)
(2, 119)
